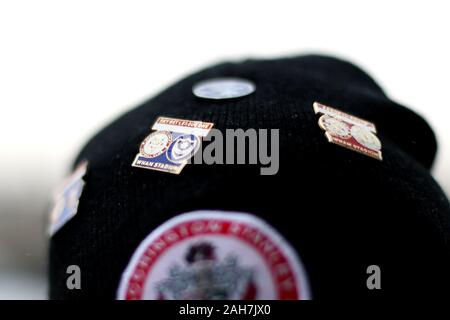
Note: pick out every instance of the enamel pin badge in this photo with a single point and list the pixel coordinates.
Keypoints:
(174, 142)
(349, 131)
(66, 199)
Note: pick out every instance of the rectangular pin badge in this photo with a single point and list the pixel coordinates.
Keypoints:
(174, 142)
(349, 131)
(66, 198)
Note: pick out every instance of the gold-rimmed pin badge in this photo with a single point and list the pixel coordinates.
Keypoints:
(349, 131)
(174, 142)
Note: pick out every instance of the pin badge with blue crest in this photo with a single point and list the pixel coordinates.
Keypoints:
(174, 142)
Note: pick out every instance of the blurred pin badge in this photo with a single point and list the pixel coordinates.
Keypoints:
(223, 88)
(174, 142)
(66, 198)
(349, 131)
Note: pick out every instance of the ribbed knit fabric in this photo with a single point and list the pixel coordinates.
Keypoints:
(341, 211)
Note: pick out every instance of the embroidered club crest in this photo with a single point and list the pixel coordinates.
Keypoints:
(214, 255)
(206, 278)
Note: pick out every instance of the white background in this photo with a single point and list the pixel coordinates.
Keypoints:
(69, 67)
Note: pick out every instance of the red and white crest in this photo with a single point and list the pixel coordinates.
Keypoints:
(214, 255)
(349, 131)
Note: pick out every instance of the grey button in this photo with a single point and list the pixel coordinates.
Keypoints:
(223, 88)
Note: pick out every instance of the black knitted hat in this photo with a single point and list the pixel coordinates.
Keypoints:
(336, 210)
